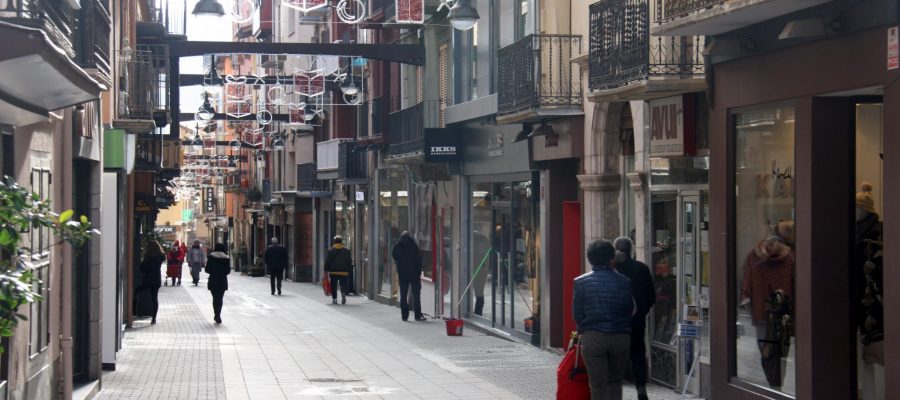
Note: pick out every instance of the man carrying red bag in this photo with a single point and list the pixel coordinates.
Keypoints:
(602, 307)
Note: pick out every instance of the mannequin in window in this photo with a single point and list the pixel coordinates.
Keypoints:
(768, 288)
(869, 278)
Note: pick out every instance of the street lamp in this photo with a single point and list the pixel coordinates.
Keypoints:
(208, 8)
(462, 15)
(278, 144)
(347, 86)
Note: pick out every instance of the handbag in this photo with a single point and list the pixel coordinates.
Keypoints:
(326, 285)
(571, 376)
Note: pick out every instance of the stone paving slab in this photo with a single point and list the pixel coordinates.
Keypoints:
(299, 346)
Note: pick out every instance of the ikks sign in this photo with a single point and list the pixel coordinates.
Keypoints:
(442, 145)
(672, 126)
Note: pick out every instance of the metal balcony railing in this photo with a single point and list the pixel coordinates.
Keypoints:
(148, 152)
(307, 181)
(55, 17)
(381, 108)
(622, 51)
(353, 162)
(145, 88)
(170, 13)
(407, 126)
(92, 38)
(537, 71)
(670, 10)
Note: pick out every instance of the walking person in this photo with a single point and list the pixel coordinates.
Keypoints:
(182, 251)
(276, 258)
(173, 268)
(644, 295)
(196, 260)
(338, 264)
(151, 280)
(603, 307)
(218, 267)
(408, 258)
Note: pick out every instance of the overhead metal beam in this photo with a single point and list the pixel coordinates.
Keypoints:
(413, 54)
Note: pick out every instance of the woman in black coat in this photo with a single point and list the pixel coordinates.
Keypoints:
(218, 266)
(151, 281)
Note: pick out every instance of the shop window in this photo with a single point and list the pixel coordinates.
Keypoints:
(39, 320)
(868, 278)
(393, 204)
(764, 248)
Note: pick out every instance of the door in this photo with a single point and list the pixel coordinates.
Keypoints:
(443, 272)
(664, 267)
(689, 228)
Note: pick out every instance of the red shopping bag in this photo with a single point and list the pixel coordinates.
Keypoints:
(571, 375)
(326, 285)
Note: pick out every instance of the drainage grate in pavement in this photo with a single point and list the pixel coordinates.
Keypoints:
(333, 380)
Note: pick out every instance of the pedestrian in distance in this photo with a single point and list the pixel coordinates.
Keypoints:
(644, 294)
(196, 260)
(173, 268)
(151, 280)
(276, 258)
(182, 251)
(218, 267)
(603, 307)
(338, 264)
(408, 258)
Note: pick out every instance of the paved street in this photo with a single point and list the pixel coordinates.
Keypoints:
(300, 346)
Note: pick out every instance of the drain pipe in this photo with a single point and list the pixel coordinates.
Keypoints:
(65, 292)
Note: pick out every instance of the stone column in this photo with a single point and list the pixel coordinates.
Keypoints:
(602, 180)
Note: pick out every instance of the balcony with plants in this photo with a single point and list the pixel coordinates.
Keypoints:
(538, 80)
(627, 63)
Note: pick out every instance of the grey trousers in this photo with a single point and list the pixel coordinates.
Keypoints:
(606, 358)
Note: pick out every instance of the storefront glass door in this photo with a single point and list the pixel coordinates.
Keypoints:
(664, 266)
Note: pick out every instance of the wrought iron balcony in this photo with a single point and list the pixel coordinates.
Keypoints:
(55, 17)
(307, 182)
(171, 14)
(407, 127)
(353, 162)
(623, 53)
(670, 10)
(148, 153)
(536, 77)
(145, 90)
(92, 40)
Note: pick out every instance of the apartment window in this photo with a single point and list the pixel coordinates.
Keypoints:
(40, 258)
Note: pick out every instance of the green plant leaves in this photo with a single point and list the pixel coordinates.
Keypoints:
(65, 216)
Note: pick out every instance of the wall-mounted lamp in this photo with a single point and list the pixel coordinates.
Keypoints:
(208, 8)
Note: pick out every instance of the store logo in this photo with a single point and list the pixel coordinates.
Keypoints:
(443, 150)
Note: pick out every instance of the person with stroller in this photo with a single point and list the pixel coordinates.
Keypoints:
(173, 269)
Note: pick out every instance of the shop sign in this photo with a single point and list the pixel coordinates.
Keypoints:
(209, 200)
(667, 127)
(442, 145)
(360, 196)
(893, 49)
(164, 229)
(143, 204)
(187, 216)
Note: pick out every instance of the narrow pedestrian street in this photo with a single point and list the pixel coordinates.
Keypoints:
(299, 346)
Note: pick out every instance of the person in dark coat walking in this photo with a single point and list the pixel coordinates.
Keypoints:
(276, 258)
(218, 266)
(151, 280)
(408, 258)
(338, 264)
(644, 294)
(602, 306)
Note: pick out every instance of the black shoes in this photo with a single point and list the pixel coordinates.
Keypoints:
(421, 318)
(217, 319)
(642, 393)
(153, 321)
(343, 299)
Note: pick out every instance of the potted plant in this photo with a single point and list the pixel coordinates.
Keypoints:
(258, 268)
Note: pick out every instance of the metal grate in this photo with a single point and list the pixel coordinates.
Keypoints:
(670, 10)
(537, 71)
(145, 91)
(622, 51)
(408, 126)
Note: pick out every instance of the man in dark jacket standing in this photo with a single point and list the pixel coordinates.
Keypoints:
(276, 258)
(338, 264)
(644, 297)
(603, 307)
(408, 258)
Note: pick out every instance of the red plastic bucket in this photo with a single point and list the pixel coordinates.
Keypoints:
(454, 326)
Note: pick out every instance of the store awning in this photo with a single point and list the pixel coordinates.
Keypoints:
(37, 77)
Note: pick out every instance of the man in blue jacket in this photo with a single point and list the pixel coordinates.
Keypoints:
(602, 307)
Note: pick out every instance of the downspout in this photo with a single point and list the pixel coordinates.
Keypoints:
(65, 341)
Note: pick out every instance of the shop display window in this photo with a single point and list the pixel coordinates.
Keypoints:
(505, 255)
(764, 254)
(868, 276)
(393, 204)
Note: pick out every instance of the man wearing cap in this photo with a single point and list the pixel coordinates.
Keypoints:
(338, 264)
(276, 258)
